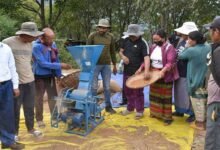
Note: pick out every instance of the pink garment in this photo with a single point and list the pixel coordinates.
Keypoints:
(169, 58)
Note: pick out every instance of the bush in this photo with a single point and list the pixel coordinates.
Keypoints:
(7, 26)
(64, 55)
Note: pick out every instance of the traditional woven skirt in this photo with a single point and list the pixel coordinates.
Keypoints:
(161, 100)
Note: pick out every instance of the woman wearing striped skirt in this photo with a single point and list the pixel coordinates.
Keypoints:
(163, 57)
(161, 100)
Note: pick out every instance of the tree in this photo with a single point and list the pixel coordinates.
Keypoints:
(206, 10)
(7, 26)
(38, 8)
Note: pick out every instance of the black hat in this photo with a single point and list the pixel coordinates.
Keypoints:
(214, 24)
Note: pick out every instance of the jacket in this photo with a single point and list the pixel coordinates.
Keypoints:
(215, 62)
(169, 57)
(42, 61)
(196, 66)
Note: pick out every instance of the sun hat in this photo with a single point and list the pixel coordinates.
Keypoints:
(186, 28)
(138, 81)
(103, 23)
(214, 24)
(29, 28)
(134, 29)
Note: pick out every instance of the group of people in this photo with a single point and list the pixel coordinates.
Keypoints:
(171, 63)
(30, 64)
(183, 71)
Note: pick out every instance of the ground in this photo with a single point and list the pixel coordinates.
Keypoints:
(119, 133)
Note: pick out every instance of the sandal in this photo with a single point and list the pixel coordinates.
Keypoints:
(125, 112)
(139, 115)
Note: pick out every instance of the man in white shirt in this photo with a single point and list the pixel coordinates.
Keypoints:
(8, 89)
(21, 46)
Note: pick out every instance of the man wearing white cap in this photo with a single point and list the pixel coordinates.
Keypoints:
(181, 97)
(22, 50)
(102, 36)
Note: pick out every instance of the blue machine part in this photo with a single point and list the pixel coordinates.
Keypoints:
(86, 56)
(73, 119)
(86, 112)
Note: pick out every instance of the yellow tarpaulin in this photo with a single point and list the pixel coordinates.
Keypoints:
(116, 132)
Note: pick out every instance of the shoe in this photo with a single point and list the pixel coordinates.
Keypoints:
(16, 138)
(125, 112)
(177, 114)
(41, 124)
(139, 115)
(190, 119)
(35, 133)
(15, 146)
(167, 122)
(110, 110)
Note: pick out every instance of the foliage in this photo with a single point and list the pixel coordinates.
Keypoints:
(7, 26)
(206, 10)
(64, 55)
(76, 19)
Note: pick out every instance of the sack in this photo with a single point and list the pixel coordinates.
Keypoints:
(114, 87)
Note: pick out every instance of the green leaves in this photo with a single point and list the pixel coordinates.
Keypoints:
(7, 26)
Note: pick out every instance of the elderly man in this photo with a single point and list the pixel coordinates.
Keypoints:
(102, 36)
(46, 66)
(133, 52)
(21, 46)
(8, 89)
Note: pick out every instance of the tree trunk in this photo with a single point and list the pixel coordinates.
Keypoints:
(43, 20)
(50, 12)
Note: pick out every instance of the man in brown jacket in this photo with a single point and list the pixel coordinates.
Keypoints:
(103, 37)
